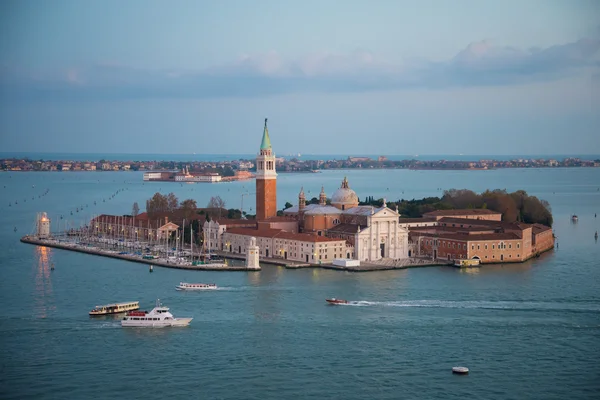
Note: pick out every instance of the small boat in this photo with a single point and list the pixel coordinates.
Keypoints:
(115, 308)
(460, 370)
(196, 286)
(575, 217)
(159, 317)
(336, 301)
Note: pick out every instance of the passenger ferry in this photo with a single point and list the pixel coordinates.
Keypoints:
(159, 317)
(115, 308)
(196, 286)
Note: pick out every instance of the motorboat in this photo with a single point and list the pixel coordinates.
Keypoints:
(574, 217)
(336, 301)
(460, 370)
(159, 317)
(115, 308)
(196, 286)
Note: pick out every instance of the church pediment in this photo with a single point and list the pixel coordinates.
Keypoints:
(385, 212)
(169, 226)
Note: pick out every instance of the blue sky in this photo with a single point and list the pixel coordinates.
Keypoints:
(334, 77)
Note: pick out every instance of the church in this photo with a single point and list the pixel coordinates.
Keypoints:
(311, 233)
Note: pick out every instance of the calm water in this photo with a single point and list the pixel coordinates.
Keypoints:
(526, 331)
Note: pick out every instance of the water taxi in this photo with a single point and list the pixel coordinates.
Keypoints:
(159, 317)
(115, 308)
(336, 301)
(196, 286)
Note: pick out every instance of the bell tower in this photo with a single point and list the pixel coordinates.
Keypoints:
(266, 179)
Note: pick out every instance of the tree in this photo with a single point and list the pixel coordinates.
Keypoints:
(188, 207)
(216, 202)
(157, 204)
(287, 205)
(135, 210)
(172, 202)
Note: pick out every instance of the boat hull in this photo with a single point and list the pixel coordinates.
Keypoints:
(193, 289)
(178, 322)
(336, 302)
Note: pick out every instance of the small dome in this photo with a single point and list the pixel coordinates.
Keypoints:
(344, 195)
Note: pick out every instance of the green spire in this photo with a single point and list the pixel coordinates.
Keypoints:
(266, 141)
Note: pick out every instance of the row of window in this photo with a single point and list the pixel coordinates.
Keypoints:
(501, 246)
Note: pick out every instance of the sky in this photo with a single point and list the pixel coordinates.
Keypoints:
(333, 77)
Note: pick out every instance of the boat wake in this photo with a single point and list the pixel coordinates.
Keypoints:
(484, 305)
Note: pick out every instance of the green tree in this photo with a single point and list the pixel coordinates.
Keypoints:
(157, 204)
(188, 207)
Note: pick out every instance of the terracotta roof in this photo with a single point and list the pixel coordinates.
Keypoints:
(413, 220)
(468, 211)
(345, 228)
(235, 222)
(473, 238)
(484, 222)
(289, 218)
(539, 228)
(454, 229)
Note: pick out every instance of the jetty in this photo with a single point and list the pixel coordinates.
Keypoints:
(133, 257)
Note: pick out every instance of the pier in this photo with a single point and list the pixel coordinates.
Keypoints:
(133, 257)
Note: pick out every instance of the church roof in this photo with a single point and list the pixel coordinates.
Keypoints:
(294, 209)
(361, 210)
(346, 228)
(322, 210)
(266, 141)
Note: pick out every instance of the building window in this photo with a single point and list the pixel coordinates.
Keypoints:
(477, 247)
(518, 245)
(510, 246)
(486, 246)
(472, 247)
(493, 246)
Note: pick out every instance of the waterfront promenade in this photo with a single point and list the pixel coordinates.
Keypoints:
(72, 245)
(159, 262)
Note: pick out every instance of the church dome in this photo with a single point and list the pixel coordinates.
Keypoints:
(344, 196)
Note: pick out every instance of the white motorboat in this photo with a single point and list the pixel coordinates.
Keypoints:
(159, 317)
(196, 286)
(460, 370)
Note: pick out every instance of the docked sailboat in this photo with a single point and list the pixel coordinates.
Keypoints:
(159, 317)
(115, 308)
(196, 286)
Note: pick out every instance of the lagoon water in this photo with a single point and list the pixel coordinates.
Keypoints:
(526, 331)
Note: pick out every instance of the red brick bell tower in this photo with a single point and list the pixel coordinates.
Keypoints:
(266, 179)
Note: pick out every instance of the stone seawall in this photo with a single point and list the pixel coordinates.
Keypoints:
(157, 263)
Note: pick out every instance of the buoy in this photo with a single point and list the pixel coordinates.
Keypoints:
(151, 269)
(460, 370)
